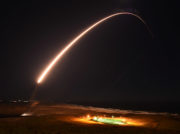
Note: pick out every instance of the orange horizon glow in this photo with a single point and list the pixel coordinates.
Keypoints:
(76, 39)
(128, 121)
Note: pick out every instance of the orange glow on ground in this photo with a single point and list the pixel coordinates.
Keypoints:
(128, 121)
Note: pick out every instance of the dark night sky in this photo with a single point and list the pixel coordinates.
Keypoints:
(118, 61)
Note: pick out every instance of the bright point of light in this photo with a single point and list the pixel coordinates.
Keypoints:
(94, 118)
(26, 114)
(88, 116)
(68, 46)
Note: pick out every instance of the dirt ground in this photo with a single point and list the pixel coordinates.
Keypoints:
(66, 119)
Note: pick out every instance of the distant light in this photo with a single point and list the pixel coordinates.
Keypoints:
(26, 114)
(26, 101)
(94, 118)
(13, 101)
(88, 116)
(109, 121)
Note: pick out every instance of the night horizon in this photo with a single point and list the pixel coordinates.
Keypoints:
(137, 66)
(90, 67)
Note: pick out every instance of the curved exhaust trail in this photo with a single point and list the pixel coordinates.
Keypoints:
(76, 39)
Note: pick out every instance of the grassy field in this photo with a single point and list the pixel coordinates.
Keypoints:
(55, 120)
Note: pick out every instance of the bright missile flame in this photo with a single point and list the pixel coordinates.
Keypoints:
(68, 46)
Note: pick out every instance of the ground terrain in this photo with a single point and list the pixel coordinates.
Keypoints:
(59, 119)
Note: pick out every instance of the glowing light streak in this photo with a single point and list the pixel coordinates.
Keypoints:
(68, 46)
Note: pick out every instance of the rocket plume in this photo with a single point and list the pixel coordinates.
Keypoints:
(76, 39)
